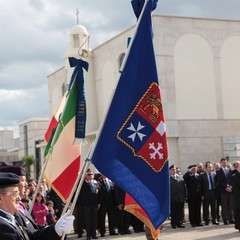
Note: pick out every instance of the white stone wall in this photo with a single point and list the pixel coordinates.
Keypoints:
(36, 128)
(55, 82)
(197, 61)
(6, 139)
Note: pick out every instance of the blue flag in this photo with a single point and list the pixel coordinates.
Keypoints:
(132, 148)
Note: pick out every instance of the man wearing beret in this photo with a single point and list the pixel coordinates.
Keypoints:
(21, 216)
(11, 229)
(192, 181)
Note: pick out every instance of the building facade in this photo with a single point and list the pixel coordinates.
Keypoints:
(8, 146)
(197, 61)
(31, 141)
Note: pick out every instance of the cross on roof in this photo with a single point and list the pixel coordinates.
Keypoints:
(77, 13)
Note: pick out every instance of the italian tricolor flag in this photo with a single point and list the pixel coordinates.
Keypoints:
(55, 118)
(63, 156)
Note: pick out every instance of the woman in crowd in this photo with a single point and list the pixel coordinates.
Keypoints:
(40, 211)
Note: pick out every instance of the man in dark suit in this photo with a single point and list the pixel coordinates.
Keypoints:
(225, 189)
(236, 194)
(208, 191)
(11, 229)
(178, 196)
(89, 202)
(107, 205)
(191, 178)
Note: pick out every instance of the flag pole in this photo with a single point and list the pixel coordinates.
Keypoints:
(119, 75)
(78, 184)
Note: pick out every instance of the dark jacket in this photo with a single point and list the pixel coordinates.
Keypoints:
(119, 196)
(178, 189)
(10, 232)
(26, 221)
(89, 198)
(193, 185)
(107, 195)
(236, 189)
(205, 184)
(223, 179)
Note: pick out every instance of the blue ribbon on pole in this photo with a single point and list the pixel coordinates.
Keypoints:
(81, 111)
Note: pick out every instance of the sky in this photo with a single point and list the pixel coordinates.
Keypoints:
(34, 36)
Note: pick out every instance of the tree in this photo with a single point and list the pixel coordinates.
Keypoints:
(29, 160)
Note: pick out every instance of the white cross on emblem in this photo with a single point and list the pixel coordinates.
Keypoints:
(156, 150)
(136, 132)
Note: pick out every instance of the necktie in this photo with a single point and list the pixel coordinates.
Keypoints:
(107, 184)
(211, 182)
(225, 170)
(92, 187)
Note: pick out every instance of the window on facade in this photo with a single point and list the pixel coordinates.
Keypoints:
(120, 60)
(64, 88)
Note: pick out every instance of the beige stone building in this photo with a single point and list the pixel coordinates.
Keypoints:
(31, 141)
(198, 67)
(8, 149)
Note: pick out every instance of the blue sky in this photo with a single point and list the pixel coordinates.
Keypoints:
(35, 36)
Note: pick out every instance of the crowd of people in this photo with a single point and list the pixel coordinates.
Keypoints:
(212, 193)
(99, 197)
(15, 220)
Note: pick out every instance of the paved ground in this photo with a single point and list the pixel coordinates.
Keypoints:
(211, 232)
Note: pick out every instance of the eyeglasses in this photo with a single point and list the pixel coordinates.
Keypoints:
(11, 194)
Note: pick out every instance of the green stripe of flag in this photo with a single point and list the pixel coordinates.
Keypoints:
(68, 113)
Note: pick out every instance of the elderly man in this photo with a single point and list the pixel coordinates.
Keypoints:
(11, 229)
(22, 217)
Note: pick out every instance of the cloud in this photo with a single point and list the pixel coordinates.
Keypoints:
(35, 37)
(20, 104)
(219, 9)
